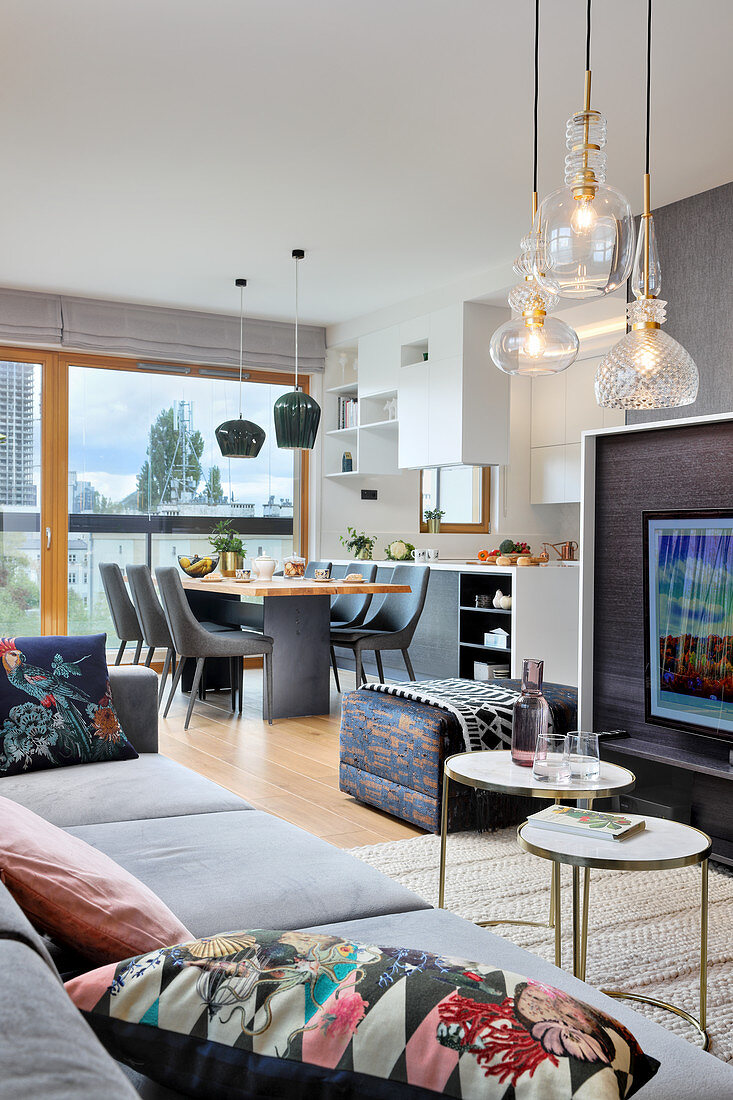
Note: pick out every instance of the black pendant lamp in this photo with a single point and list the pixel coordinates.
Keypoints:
(297, 414)
(240, 438)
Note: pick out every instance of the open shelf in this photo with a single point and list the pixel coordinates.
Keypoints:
(380, 425)
(488, 610)
(345, 387)
(345, 473)
(343, 431)
(487, 648)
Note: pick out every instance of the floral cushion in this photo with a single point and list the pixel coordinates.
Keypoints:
(55, 704)
(296, 1014)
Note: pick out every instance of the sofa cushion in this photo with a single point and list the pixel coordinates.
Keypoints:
(255, 1013)
(56, 705)
(46, 1049)
(14, 925)
(151, 786)
(685, 1073)
(78, 894)
(235, 870)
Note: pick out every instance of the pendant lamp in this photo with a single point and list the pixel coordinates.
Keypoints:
(587, 226)
(297, 414)
(647, 368)
(533, 344)
(240, 438)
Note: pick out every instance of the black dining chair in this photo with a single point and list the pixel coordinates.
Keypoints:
(392, 626)
(121, 608)
(152, 620)
(349, 609)
(193, 641)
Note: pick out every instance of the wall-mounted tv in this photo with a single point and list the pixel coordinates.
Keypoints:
(688, 581)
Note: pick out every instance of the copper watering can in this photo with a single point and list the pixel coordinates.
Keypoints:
(565, 550)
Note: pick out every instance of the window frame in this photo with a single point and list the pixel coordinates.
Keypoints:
(483, 527)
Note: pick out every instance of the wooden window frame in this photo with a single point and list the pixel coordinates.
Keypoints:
(53, 506)
(481, 528)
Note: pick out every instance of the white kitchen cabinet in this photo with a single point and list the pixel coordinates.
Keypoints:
(547, 477)
(454, 408)
(549, 397)
(379, 361)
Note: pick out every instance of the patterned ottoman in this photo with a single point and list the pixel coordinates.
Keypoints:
(393, 749)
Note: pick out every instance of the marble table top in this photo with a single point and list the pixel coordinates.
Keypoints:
(495, 771)
(661, 844)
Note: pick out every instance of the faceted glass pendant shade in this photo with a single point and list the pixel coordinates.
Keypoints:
(587, 227)
(647, 368)
(297, 416)
(240, 438)
(525, 346)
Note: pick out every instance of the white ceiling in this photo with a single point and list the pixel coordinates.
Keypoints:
(152, 150)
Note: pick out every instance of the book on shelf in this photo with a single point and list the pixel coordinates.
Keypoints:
(348, 414)
(591, 823)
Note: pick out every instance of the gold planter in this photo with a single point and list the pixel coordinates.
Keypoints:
(434, 526)
(229, 563)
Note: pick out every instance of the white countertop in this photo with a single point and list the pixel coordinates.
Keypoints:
(460, 565)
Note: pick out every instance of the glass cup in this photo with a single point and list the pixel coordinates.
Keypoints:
(551, 763)
(583, 755)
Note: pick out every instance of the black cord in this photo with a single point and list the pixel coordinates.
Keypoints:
(536, 87)
(587, 38)
(648, 79)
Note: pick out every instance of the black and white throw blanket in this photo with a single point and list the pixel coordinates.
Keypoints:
(483, 709)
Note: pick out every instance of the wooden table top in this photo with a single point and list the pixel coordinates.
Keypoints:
(278, 586)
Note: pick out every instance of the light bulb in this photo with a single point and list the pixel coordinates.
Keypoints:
(535, 343)
(584, 217)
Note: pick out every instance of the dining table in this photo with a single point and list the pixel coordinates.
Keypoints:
(296, 614)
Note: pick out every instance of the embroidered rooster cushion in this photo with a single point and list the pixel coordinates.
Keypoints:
(56, 706)
(249, 1014)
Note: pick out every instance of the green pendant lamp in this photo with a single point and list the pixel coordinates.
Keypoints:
(297, 414)
(240, 438)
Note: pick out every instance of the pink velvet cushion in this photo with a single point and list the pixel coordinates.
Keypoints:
(78, 895)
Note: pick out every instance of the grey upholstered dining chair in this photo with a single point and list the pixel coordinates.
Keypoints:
(156, 634)
(393, 625)
(121, 608)
(192, 640)
(349, 610)
(310, 569)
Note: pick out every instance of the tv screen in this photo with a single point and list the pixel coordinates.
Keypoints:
(688, 573)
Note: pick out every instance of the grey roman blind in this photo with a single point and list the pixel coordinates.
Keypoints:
(29, 318)
(154, 332)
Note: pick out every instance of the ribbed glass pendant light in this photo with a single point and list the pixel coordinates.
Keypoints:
(587, 226)
(647, 368)
(240, 438)
(297, 414)
(533, 344)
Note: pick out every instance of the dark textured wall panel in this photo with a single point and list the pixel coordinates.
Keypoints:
(695, 240)
(687, 467)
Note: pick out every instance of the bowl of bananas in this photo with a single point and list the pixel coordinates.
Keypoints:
(198, 567)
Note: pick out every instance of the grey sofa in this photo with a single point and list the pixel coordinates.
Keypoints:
(221, 865)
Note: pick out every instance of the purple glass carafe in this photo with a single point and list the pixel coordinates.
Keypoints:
(531, 714)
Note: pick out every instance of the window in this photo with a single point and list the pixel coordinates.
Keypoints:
(462, 493)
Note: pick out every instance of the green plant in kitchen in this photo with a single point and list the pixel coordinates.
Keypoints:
(508, 546)
(225, 539)
(433, 517)
(358, 543)
(399, 550)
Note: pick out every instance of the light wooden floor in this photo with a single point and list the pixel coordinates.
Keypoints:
(289, 769)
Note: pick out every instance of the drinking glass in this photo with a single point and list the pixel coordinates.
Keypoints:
(583, 755)
(551, 763)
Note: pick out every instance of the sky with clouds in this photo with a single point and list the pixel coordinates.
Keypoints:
(111, 411)
(695, 581)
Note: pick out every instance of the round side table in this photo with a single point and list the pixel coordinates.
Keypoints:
(495, 771)
(662, 845)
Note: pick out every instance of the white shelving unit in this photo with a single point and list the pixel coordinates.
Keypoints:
(372, 442)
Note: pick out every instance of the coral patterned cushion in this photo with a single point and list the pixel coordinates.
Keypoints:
(56, 706)
(78, 895)
(249, 1014)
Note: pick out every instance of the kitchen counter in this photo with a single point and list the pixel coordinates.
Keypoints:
(461, 565)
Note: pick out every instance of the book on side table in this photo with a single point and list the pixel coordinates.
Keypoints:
(590, 823)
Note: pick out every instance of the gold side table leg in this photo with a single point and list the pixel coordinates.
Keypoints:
(443, 839)
(558, 914)
(584, 922)
(704, 946)
(577, 952)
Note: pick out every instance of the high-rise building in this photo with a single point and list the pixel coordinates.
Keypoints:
(16, 424)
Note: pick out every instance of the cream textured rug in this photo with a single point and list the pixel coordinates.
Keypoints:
(643, 929)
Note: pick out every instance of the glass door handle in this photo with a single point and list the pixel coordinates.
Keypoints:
(48, 538)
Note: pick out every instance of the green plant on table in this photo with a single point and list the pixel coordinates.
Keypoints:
(225, 539)
(358, 543)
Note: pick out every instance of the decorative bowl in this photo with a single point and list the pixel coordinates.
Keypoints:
(197, 567)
